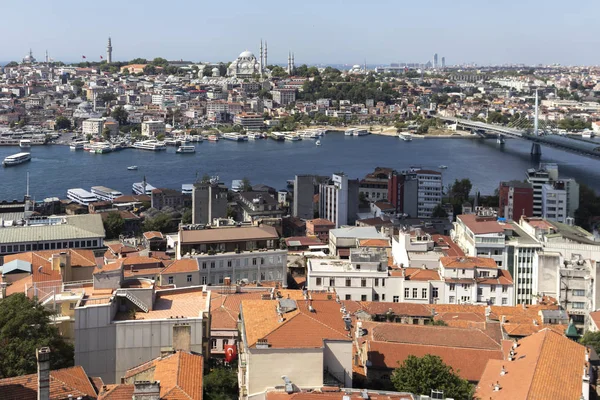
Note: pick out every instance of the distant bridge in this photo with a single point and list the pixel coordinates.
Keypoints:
(578, 146)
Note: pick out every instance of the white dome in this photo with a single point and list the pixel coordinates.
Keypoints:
(356, 66)
(246, 54)
(215, 69)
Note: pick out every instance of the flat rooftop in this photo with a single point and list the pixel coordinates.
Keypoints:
(174, 303)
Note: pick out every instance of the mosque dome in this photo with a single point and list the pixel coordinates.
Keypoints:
(356, 66)
(84, 105)
(215, 69)
(246, 54)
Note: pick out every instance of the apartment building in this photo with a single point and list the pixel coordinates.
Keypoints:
(374, 186)
(338, 200)
(554, 201)
(304, 192)
(257, 205)
(249, 121)
(283, 97)
(319, 228)
(209, 201)
(547, 174)
(153, 128)
(515, 200)
(92, 126)
(415, 192)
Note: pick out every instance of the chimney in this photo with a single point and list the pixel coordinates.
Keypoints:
(146, 390)
(43, 364)
(62, 262)
(182, 337)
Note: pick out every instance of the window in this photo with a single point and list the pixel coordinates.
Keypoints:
(204, 280)
(462, 272)
(504, 301)
(484, 274)
(406, 293)
(465, 299)
(363, 283)
(213, 343)
(414, 293)
(204, 265)
(331, 281)
(71, 306)
(189, 278)
(451, 299)
(363, 297)
(170, 280)
(578, 292)
(348, 282)
(229, 263)
(220, 278)
(212, 264)
(375, 297)
(348, 297)
(382, 282)
(466, 286)
(578, 305)
(423, 293)
(358, 267)
(434, 292)
(376, 281)
(319, 281)
(479, 291)
(493, 288)
(492, 300)
(452, 287)
(383, 297)
(225, 342)
(504, 288)
(254, 261)
(396, 299)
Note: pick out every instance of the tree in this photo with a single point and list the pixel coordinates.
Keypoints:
(108, 97)
(11, 64)
(106, 133)
(160, 222)
(221, 384)
(246, 186)
(160, 62)
(25, 325)
(421, 375)
(62, 123)
(439, 212)
(113, 225)
(589, 207)
(186, 218)
(591, 339)
(120, 115)
(460, 190)
(207, 71)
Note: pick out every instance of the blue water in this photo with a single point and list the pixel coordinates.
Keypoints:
(55, 169)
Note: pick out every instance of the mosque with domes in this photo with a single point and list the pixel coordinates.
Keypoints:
(246, 65)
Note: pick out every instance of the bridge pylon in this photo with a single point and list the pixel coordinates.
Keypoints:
(536, 149)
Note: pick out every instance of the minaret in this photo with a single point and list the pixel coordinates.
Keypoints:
(47, 59)
(262, 59)
(293, 64)
(289, 67)
(266, 63)
(109, 51)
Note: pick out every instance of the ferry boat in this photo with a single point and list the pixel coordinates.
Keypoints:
(318, 142)
(16, 159)
(442, 167)
(407, 137)
(254, 136)
(187, 188)
(360, 132)
(309, 134)
(278, 136)
(77, 145)
(138, 188)
(81, 196)
(236, 137)
(213, 138)
(104, 193)
(349, 132)
(172, 142)
(291, 137)
(152, 145)
(102, 148)
(195, 138)
(186, 149)
(25, 144)
(132, 168)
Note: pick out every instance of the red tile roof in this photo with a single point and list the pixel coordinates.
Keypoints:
(468, 262)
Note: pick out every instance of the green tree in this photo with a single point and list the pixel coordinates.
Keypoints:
(246, 186)
(589, 207)
(160, 222)
(591, 339)
(150, 69)
(106, 134)
(221, 384)
(108, 97)
(186, 217)
(421, 375)
(160, 62)
(207, 71)
(25, 325)
(12, 64)
(439, 212)
(62, 123)
(459, 191)
(120, 115)
(113, 225)
(138, 61)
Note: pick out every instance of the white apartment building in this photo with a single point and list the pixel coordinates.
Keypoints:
(283, 97)
(429, 193)
(554, 202)
(538, 178)
(475, 280)
(480, 236)
(333, 201)
(92, 126)
(153, 128)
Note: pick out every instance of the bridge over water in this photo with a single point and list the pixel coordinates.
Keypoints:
(578, 146)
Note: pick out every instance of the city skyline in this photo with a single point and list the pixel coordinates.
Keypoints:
(463, 33)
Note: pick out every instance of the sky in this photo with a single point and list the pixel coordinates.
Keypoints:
(317, 31)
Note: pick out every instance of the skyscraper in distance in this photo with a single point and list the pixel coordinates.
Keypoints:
(109, 51)
(435, 61)
(443, 62)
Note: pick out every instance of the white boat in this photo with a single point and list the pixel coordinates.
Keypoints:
(587, 134)
(138, 188)
(361, 132)
(16, 159)
(81, 196)
(278, 135)
(104, 193)
(132, 168)
(153, 145)
(77, 145)
(102, 147)
(254, 136)
(186, 149)
(172, 142)
(291, 137)
(25, 144)
(236, 137)
(407, 137)
(349, 132)
(442, 167)
(318, 142)
(187, 188)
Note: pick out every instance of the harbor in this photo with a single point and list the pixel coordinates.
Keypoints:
(55, 169)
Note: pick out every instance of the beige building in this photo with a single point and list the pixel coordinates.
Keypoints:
(92, 126)
(153, 128)
(296, 342)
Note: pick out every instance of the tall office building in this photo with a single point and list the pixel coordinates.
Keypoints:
(338, 200)
(415, 192)
(304, 192)
(435, 61)
(209, 201)
(443, 62)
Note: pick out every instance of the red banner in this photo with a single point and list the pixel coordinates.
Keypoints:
(230, 352)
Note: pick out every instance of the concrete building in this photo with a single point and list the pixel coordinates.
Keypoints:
(548, 174)
(169, 198)
(92, 126)
(153, 128)
(515, 200)
(338, 200)
(304, 192)
(130, 323)
(341, 240)
(257, 205)
(283, 97)
(374, 186)
(554, 202)
(293, 342)
(415, 192)
(209, 201)
(319, 228)
(249, 121)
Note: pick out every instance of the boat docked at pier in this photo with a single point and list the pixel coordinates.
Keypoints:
(278, 136)
(141, 187)
(213, 138)
(236, 137)
(77, 145)
(25, 144)
(186, 149)
(254, 136)
(104, 193)
(152, 145)
(292, 137)
(407, 137)
(81, 196)
(16, 159)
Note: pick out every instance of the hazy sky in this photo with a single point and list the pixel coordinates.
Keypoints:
(318, 31)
